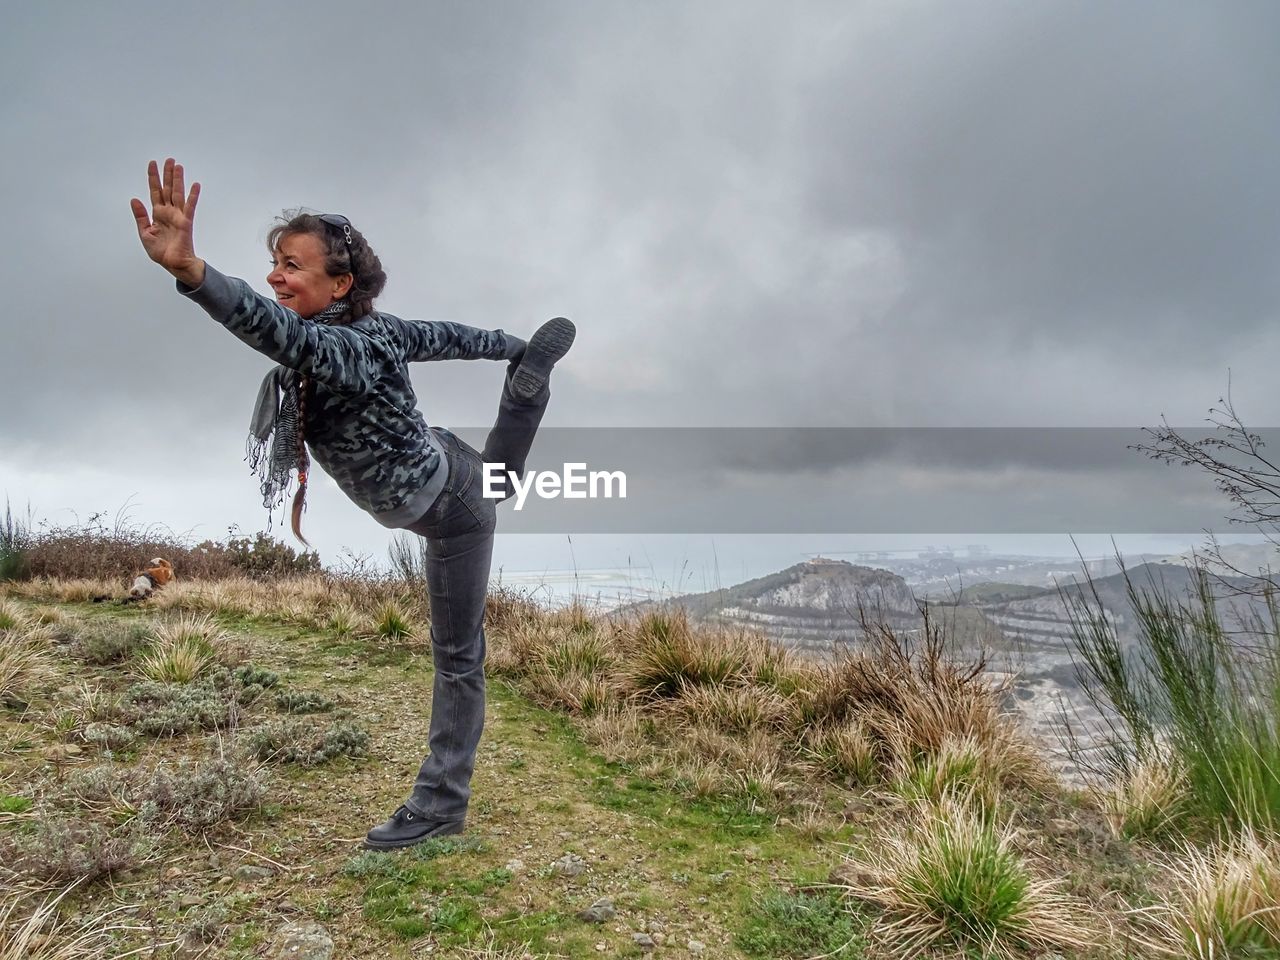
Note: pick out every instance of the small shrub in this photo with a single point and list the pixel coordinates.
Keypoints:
(192, 793)
(294, 741)
(106, 789)
(303, 701)
(166, 709)
(63, 849)
(110, 643)
(14, 539)
(409, 560)
(251, 679)
(109, 736)
(202, 794)
(801, 924)
(206, 924)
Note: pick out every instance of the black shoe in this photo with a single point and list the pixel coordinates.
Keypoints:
(549, 343)
(405, 828)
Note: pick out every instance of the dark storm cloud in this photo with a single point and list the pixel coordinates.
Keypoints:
(1063, 171)
(830, 214)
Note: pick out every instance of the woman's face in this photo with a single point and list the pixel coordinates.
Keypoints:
(298, 276)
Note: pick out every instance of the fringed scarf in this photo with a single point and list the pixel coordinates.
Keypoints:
(272, 447)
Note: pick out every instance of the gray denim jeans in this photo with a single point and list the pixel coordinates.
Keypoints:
(459, 531)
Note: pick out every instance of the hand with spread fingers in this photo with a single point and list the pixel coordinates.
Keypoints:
(167, 234)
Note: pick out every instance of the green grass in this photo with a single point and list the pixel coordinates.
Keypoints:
(781, 924)
(1193, 694)
(12, 804)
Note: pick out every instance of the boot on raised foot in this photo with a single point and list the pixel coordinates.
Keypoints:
(549, 343)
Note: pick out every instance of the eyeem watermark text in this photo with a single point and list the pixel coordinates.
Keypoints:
(575, 482)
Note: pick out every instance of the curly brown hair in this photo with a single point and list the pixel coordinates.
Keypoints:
(357, 259)
(346, 251)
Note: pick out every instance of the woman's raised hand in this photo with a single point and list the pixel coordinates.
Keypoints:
(167, 235)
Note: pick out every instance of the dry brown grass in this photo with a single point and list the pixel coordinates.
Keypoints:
(14, 616)
(1147, 802)
(734, 710)
(846, 753)
(1225, 901)
(728, 711)
(63, 589)
(32, 929)
(912, 698)
(583, 694)
(25, 662)
(665, 654)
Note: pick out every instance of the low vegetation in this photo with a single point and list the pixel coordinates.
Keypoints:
(219, 750)
(1193, 710)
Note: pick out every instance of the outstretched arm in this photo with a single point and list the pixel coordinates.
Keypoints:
(444, 340)
(167, 234)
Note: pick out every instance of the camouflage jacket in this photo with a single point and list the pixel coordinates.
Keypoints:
(363, 426)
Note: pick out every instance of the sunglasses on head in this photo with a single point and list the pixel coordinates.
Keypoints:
(339, 221)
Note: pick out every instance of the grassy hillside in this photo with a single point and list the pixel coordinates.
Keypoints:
(194, 776)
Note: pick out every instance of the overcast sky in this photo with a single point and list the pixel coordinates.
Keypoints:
(890, 214)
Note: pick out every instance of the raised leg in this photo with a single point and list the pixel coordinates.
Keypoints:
(511, 438)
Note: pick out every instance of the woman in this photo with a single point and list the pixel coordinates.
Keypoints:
(342, 390)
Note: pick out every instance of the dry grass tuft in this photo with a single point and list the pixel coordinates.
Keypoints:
(343, 620)
(1225, 901)
(739, 710)
(961, 766)
(1148, 802)
(521, 647)
(25, 662)
(584, 694)
(845, 753)
(912, 697)
(42, 935)
(953, 879)
(393, 624)
(188, 647)
(668, 656)
(14, 616)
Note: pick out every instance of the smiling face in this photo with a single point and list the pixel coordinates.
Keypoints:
(298, 276)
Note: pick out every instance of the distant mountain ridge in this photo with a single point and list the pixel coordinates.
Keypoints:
(813, 605)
